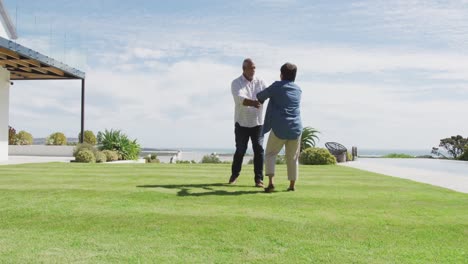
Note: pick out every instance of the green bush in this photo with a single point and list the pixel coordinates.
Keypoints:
(464, 155)
(100, 157)
(11, 135)
(89, 137)
(317, 156)
(111, 155)
(398, 156)
(86, 156)
(57, 139)
(116, 140)
(280, 160)
(84, 146)
(152, 158)
(425, 157)
(183, 162)
(349, 156)
(212, 158)
(80, 152)
(23, 138)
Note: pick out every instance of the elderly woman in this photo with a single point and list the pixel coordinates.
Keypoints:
(283, 118)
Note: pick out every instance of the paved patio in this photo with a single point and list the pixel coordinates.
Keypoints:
(449, 174)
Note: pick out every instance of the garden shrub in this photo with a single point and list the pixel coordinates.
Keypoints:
(86, 156)
(212, 158)
(280, 159)
(57, 139)
(100, 157)
(152, 158)
(398, 156)
(118, 141)
(89, 137)
(317, 156)
(184, 162)
(111, 155)
(23, 138)
(84, 146)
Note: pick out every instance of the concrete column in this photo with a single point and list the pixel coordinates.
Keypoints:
(4, 112)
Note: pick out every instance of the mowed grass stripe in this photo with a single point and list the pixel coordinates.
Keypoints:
(178, 213)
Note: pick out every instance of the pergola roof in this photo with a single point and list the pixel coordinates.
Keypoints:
(27, 64)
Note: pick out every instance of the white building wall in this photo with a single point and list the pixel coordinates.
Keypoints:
(4, 112)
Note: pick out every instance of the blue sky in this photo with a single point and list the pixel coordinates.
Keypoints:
(374, 74)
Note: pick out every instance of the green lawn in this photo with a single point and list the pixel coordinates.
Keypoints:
(167, 213)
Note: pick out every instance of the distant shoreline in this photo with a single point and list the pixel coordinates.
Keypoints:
(225, 152)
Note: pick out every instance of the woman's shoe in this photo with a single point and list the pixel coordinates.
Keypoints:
(270, 188)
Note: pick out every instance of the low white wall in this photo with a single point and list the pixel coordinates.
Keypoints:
(3, 151)
(4, 112)
(41, 150)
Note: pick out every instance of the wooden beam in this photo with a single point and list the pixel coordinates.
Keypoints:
(15, 76)
(20, 62)
(8, 62)
(26, 75)
(27, 62)
(39, 70)
(3, 57)
(26, 69)
(9, 53)
(54, 70)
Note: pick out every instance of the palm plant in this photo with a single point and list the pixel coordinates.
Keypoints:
(309, 138)
(118, 141)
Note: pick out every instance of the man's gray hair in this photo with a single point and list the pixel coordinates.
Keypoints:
(246, 62)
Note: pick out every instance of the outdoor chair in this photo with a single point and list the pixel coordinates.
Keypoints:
(337, 150)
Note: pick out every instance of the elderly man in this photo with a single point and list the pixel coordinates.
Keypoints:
(248, 121)
(283, 118)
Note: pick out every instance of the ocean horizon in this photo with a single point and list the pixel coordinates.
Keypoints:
(367, 152)
(361, 152)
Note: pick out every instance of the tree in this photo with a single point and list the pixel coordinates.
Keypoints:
(464, 156)
(309, 137)
(11, 135)
(454, 145)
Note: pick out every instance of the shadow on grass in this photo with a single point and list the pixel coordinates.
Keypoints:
(210, 189)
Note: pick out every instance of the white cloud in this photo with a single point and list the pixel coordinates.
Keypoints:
(429, 19)
(188, 104)
(171, 89)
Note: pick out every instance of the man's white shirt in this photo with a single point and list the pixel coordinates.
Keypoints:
(241, 88)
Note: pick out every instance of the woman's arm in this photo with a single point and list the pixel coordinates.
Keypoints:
(265, 94)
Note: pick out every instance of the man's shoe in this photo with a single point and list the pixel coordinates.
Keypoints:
(259, 184)
(291, 189)
(232, 180)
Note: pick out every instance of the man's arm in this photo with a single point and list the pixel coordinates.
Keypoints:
(253, 103)
(240, 97)
(237, 94)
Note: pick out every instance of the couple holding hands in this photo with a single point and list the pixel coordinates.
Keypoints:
(282, 119)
